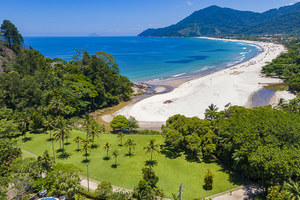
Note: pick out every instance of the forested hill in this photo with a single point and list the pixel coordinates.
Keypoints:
(215, 21)
(35, 86)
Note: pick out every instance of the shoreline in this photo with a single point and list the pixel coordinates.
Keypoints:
(236, 85)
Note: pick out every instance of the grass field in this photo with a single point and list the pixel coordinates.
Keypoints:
(171, 169)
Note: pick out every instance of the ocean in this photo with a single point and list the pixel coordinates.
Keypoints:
(143, 58)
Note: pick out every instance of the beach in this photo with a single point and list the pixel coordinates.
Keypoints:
(191, 96)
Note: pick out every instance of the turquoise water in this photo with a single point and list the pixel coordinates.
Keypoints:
(142, 59)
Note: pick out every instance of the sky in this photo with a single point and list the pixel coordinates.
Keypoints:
(111, 17)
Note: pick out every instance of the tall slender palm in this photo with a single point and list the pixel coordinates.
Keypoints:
(87, 121)
(152, 147)
(115, 154)
(130, 144)
(292, 190)
(78, 139)
(63, 130)
(107, 147)
(121, 136)
(49, 124)
(94, 130)
(86, 146)
(24, 121)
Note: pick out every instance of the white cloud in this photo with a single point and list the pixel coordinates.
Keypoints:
(152, 25)
(189, 3)
(178, 6)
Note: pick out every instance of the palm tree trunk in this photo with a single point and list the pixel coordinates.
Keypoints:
(86, 154)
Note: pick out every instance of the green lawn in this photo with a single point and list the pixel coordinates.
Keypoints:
(171, 171)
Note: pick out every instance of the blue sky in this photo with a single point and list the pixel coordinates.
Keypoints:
(111, 17)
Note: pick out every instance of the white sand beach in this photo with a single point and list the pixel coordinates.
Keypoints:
(234, 85)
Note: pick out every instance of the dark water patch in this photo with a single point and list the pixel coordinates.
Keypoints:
(183, 61)
(198, 57)
(216, 50)
(189, 60)
(262, 97)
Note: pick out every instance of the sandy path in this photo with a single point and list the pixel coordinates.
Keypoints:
(232, 85)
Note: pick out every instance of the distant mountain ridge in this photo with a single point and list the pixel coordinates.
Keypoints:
(214, 21)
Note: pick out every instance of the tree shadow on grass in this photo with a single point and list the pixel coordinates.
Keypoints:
(50, 139)
(27, 139)
(106, 158)
(129, 155)
(120, 145)
(85, 161)
(64, 155)
(170, 152)
(77, 150)
(114, 166)
(60, 150)
(95, 146)
(151, 163)
(233, 177)
(67, 143)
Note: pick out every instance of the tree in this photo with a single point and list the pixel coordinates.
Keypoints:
(49, 124)
(121, 136)
(65, 178)
(94, 130)
(87, 122)
(274, 193)
(63, 130)
(11, 35)
(86, 146)
(211, 112)
(107, 147)
(45, 162)
(147, 189)
(119, 123)
(208, 180)
(291, 190)
(104, 189)
(78, 139)
(132, 123)
(130, 144)
(115, 154)
(152, 147)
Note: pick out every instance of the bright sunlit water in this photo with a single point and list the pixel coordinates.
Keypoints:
(143, 58)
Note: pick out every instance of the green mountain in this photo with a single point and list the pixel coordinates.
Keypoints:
(214, 21)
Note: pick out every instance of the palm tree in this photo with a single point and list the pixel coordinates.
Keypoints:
(45, 161)
(49, 124)
(57, 105)
(211, 112)
(107, 147)
(86, 146)
(87, 121)
(121, 136)
(152, 147)
(292, 190)
(94, 130)
(115, 155)
(130, 144)
(63, 130)
(78, 139)
(23, 121)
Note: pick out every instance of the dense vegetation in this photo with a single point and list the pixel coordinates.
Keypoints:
(216, 21)
(35, 87)
(287, 66)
